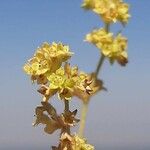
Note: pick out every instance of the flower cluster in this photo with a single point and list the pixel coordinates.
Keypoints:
(109, 10)
(47, 59)
(47, 69)
(81, 144)
(69, 82)
(111, 47)
(50, 69)
(73, 142)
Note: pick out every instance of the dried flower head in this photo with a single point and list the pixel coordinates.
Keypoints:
(47, 115)
(89, 86)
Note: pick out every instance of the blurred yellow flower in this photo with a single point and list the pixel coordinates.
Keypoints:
(99, 36)
(123, 13)
(72, 142)
(109, 10)
(117, 50)
(81, 144)
(89, 4)
(112, 47)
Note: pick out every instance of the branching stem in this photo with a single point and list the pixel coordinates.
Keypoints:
(84, 108)
(100, 63)
(102, 58)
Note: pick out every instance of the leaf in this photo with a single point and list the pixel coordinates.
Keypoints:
(51, 126)
(44, 119)
(50, 109)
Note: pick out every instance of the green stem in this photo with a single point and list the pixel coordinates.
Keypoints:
(84, 108)
(84, 111)
(100, 63)
(102, 58)
(107, 27)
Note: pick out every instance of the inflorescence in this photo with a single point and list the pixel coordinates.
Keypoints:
(50, 69)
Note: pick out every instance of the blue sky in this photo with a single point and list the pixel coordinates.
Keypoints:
(117, 118)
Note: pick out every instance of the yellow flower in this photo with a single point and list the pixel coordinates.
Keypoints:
(64, 81)
(111, 47)
(117, 50)
(123, 13)
(46, 60)
(54, 52)
(99, 36)
(107, 9)
(37, 70)
(68, 82)
(81, 144)
(110, 11)
(72, 142)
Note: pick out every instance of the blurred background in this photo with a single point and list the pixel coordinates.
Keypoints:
(118, 119)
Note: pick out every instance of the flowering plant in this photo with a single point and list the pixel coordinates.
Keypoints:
(49, 68)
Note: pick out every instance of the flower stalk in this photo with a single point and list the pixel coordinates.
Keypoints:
(84, 111)
(49, 68)
(102, 58)
(84, 108)
(99, 65)
(66, 111)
